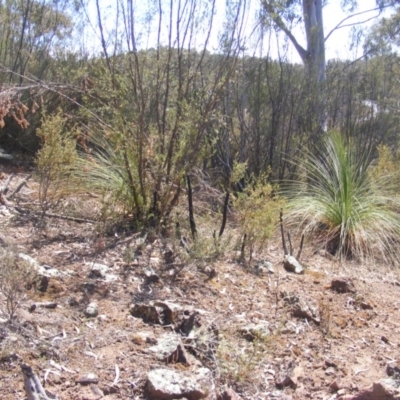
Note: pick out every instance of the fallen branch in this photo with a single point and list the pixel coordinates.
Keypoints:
(4, 188)
(19, 187)
(59, 216)
(33, 388)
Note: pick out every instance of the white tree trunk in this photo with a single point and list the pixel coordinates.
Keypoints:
(314, 26)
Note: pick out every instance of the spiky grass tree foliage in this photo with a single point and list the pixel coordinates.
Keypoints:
(339, 202)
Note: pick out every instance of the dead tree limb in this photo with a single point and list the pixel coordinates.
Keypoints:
(290, 244)
(301, 247)
(4, 188)
(191, 213)
(33, 388)
(19, 187)
(242, 255)
(225, 211)
(283, 234)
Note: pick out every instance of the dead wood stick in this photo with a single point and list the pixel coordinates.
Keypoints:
(191, 213)
(283, 234)
(4, 188)
(301, 248)
(242, 255)
(59, 216)
(290, 244)
(33, 388)
(221, 231)
(19, 187)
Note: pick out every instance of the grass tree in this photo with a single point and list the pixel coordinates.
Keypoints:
(339, 201)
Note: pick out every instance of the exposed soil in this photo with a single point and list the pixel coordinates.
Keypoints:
(358, 333)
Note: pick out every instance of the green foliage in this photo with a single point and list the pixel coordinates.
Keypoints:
(341, 204)
(55, 159)
(257, 211)
(387, 163)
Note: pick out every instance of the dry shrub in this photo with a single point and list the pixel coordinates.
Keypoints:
(16, 275)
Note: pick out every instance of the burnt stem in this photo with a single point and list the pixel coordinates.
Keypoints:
(225, 211)
(191, 214)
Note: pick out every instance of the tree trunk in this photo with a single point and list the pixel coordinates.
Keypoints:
(313, 22)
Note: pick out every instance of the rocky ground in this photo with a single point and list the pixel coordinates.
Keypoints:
(127, 316)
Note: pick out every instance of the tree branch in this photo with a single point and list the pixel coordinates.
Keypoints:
(339, 25)
(303, 53)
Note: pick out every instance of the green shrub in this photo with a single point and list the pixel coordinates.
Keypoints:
(257, 212)
(55, 159)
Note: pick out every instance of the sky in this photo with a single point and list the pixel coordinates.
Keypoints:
(337, 46)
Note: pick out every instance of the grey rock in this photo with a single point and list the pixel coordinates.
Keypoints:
(110, 278)
(393, 370)
(301, 307)
(150, 276)
(292, 265)
(97, 270)
(92, 310)
(169, 348)
(166, 384)
(184, 319)
(44, 272)
(306, 309)
(33, 263)
(264, 267)
(88, 379)
(255, 331)
(289, 375)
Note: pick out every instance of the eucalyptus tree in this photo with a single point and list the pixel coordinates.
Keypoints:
(285, 15)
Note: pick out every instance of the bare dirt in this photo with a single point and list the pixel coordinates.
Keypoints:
(356, 336)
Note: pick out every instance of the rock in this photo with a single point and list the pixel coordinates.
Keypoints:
(305, 309)
(382, 390)
(170, 349)
(255, 331)
(33, 263)
(264, 268)
(365, 306)
(343, 285)
(335, 385)
(288, 375)
(47, 304)
(166, 384)
(228, 394)
(97, 270)
(45, 272)
(301, 307)
(166, 313)
(88, 379)
(393, 370)
(151, 276)
(91, 310)
(292, 265)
